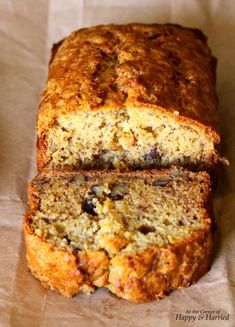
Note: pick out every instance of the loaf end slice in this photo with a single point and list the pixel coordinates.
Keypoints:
(140, 234)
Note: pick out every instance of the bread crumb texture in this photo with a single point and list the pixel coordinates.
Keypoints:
(140, 234)
(125, 139)
(120, 96)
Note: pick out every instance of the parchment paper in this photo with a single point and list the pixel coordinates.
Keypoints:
(27, 30)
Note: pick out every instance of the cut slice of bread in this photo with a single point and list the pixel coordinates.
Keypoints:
(141, 234)
(130, 96)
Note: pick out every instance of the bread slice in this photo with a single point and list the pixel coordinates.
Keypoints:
(129, 96)
(141, 234)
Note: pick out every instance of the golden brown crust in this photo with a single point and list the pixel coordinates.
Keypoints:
(164, 67)
(154, 273)
(140, 276)
(65, 272)
(41, 152)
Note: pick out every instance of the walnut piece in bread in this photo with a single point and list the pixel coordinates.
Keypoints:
(129, 96)
(140, 234)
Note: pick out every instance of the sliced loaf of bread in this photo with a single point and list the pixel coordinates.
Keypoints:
(140, 234)
(130, 96)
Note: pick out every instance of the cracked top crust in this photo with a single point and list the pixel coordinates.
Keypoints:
(166, 67)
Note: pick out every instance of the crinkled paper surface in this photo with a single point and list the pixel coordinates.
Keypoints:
(27, 30)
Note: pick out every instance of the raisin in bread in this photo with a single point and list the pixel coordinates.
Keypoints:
(140, 234)
(129, 96)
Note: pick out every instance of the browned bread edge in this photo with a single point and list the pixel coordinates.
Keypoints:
(140, 277)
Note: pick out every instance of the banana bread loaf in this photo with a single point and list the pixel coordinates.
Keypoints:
(129, 96)
(141, 234)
